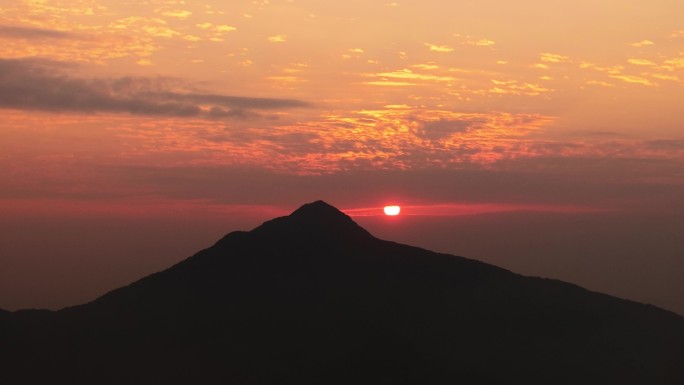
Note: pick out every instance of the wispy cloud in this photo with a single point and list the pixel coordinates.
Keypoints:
(43, 85)
(410, 75)
(513, 87)
(642, 43)
(633, 79)
(641, 62)
(477, 42)
(17, 32)
(277, 39)
(552, 58)
(176, 13)
(439, 48)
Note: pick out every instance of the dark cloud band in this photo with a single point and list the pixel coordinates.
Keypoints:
(32, 33)
(41, 85)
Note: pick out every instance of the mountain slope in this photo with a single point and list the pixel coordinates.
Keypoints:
(312, 298)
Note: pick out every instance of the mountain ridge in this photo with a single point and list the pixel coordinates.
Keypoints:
(314, 298)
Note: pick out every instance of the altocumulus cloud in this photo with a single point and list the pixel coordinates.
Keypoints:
(31, 84)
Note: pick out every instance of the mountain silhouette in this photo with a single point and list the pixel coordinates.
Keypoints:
(313, 298)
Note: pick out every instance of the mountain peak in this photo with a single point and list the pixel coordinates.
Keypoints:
(318, 209)
(316, 220)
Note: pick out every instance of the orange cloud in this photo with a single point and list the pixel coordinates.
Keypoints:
(641, 62)
(552, 58)
(176, 13)
(642, 43)
(407, 74)
(277, 39)
(439, 48)
(633, 79)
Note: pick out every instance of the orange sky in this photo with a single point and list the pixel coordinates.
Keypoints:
(134, 109)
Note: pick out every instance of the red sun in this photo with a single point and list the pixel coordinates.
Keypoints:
(392, 210)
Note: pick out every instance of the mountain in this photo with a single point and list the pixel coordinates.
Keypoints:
(313, 298)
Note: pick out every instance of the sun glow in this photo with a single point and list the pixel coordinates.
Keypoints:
(392, 210)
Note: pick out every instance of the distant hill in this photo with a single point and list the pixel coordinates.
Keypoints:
(312, 298)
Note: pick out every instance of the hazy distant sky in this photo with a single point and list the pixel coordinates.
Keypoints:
(543, 136)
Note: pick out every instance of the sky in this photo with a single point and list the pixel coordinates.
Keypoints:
(545, 137)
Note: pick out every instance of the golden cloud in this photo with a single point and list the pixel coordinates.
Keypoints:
(641, 62)
(552, 58)
(277, 39)
(633, 79)
(410, 75)
(177, 13)
(439, 48)
(643, 43)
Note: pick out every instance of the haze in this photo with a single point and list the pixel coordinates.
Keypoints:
(542, 136)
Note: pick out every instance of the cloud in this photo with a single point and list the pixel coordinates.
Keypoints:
(231, 101)
(643, 43)
(666, 144)
(390, 83)
(633, 79)
(641, 62)
(513, 87)
(477, 42)
(443, 128)
(61, 41)
(216, 28)
(32, 33)
(552, 58)
(277, 39)
(674, 64)
(407, 74)
(43, 85)
(177, 13)
(483, 43)
(439, 48)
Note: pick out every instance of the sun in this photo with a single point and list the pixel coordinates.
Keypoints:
(392, 210)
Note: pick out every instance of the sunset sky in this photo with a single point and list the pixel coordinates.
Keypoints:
(542, 136)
